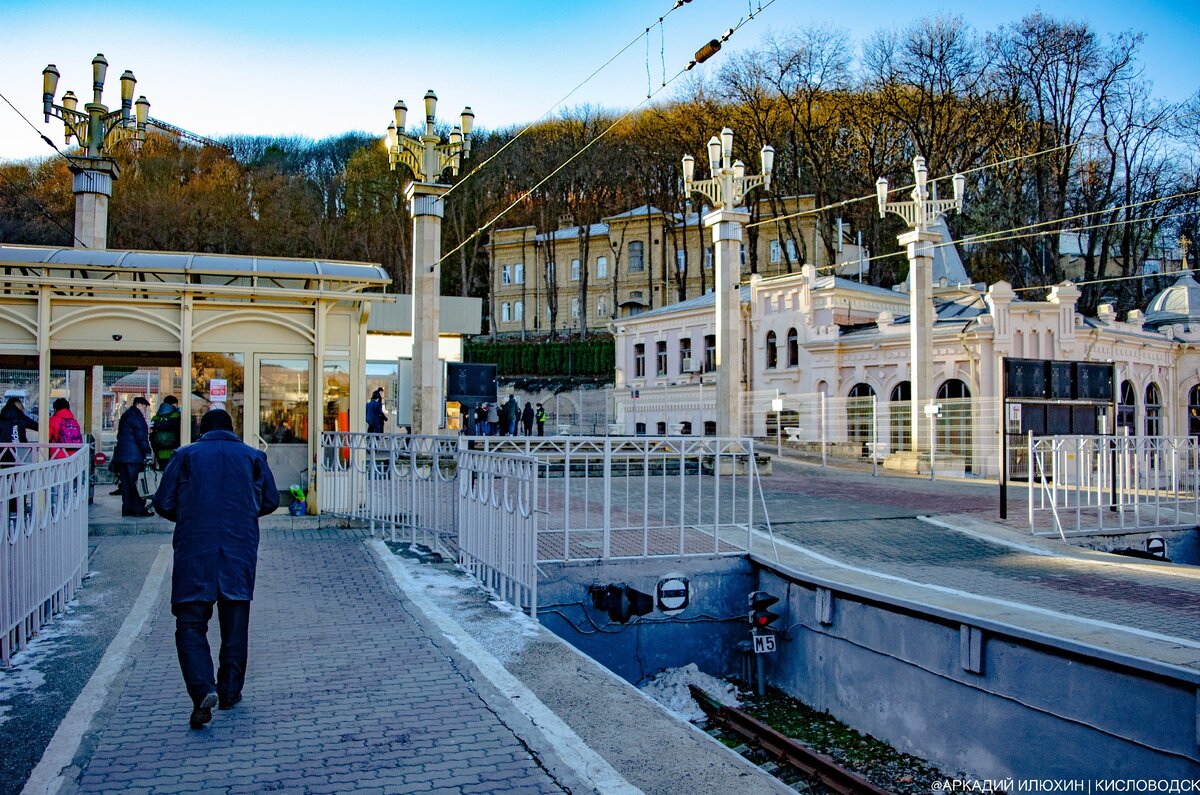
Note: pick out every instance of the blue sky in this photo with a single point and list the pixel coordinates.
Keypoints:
(321, 68)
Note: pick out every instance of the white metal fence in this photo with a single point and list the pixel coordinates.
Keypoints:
(43, 554)
(497, 526)
(400, 484)
(499, 505)
(1087, 484)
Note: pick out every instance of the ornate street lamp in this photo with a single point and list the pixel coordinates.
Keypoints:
(427, 158)
(725, 190)
(98, 132)
(923, 209)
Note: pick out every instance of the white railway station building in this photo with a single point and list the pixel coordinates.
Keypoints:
(821, 351)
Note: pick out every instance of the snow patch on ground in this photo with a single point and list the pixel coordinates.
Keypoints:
(670, 688)
(24, 677)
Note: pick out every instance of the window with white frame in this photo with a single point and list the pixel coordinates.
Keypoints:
(574, 270)
(505, 312)
(639, 360)
(519, 273)
(637, 260)
(519, 310)
(708, 258)
(550, 272)
(575, 307)
(681, 260)
(660, 350)
(506, 275)
(742, 252)
(601, 267)
(792, 250)
(776, 252)
(601, 307)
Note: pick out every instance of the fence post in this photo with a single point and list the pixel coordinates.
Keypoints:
(607, 546)
(874, 436)
(824, 429)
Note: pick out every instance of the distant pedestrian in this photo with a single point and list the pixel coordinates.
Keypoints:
(481, 421)
(164, 431)
(527, 419)
(376, 417)
(14, 423)
(493, 419)
(512, 413)
(540, 416)
(64, 429)
(214, 490)
(130, 457)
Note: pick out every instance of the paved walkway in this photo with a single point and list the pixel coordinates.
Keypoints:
(346, 691)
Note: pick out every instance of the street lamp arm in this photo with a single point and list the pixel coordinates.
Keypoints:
(708, 188)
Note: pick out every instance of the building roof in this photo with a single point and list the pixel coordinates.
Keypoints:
(571, 233)
(837, 282)
(1179, 303)
(191, 263)
(946, 262)
(699, 302)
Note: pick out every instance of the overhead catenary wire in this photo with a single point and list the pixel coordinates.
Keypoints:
(645, 34)
(45, 213)
(975, 170)
(36, 131)
(604, 133)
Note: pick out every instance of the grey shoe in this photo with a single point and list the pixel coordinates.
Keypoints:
(202, 714)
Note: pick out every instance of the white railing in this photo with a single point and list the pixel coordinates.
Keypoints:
(497, 530)
(606, 497)
(403, 485)
(43, 553)
(1086, 484)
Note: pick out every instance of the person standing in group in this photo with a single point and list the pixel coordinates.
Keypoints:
(130, 456)
(64, 429)
(540, 416)
(527, 419)
(14, 423)
(376, 417)
(216, 555)
(493, 419)
(512, 413)
(481, 422)
(164, 431)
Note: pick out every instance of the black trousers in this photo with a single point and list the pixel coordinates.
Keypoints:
(195, 657)
(127, 475)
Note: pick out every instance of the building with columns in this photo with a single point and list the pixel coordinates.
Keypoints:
(813, 338)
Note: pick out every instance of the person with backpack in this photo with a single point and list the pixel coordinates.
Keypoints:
(64, 429)
(164, 431)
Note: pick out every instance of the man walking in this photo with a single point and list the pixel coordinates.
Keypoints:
(130, 456)
(214, 490)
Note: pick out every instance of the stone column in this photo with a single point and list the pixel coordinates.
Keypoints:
(726, 228)
(93, 188)
(425, 205)
(919, 244)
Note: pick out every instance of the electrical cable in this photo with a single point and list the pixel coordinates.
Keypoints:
(42, 209)
(567, 96)
(725, 36)
(38, 132)
(976, 169)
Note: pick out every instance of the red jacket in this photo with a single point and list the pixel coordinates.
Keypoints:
(70, 434)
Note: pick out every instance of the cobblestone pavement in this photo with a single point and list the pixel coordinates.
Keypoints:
(345, 691)
(840, 515)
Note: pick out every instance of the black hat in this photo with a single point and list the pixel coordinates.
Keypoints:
(216, 420)
(140, 401)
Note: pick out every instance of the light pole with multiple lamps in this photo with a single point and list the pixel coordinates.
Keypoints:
(725, 190)
(98, 132)
(427, 157)
(919, 213)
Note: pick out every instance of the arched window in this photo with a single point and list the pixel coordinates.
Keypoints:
(793, 348)
(662, 429)
(640, 429)
(859, 420)
(954, 421)
(1153, 410)
(1126, 408)
(710, 428)
(900, 414)
(1194, 411)
(772, 351)
(686, 430)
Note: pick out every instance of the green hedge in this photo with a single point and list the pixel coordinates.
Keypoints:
(590, 357)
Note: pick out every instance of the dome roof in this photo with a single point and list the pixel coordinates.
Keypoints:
(1179, 303)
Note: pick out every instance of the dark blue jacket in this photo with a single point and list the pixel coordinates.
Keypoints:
(133, 438)
(375, 416)
(215, 490)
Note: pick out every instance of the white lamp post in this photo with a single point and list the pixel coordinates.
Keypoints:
(98, 132)
(923, 209)
(427, 157)
(725, 190)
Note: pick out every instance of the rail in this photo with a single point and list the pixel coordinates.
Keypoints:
(1088, 484)
(43, 554)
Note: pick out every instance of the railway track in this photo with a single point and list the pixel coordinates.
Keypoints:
(809, 766)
